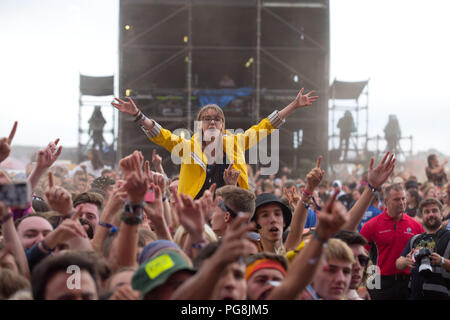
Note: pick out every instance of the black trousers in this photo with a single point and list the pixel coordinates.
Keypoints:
(394, 287)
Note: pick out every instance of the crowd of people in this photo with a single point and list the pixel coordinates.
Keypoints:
(219, 229)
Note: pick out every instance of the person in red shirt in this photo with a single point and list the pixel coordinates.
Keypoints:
(389, 232)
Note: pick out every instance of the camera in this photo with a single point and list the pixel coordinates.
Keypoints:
(422, 257)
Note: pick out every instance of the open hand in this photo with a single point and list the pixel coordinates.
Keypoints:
(46, 157)
(304, 100)
(128, 107)
(378, 175)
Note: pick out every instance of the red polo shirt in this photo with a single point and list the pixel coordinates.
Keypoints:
(390, 238)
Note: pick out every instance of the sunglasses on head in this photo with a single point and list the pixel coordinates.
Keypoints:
(363, 260)
(224, 207)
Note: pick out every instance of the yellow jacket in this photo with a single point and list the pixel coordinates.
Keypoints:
(194, 161)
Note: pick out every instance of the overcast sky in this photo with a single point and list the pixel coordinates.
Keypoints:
(401, 45)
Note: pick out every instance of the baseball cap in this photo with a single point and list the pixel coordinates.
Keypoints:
(154, 247)
(157, 270)
(266, 198)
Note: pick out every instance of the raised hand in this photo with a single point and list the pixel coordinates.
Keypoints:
(58, 198)
(207, 202)
(5, 143)
(46, 157)
(155, 210)
(332, 218)
(190, 216)
(67, 230)
(314, 177)
(128, 107)
(378, 175)
(131, 163)
(156, 160)
(234, 242)
(292, 195)
(231, 176)
(136, 186)
(304, 100)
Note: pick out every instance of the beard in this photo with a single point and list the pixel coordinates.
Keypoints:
(432, 224)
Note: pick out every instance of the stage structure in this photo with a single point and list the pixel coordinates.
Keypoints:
(349, 99)
(248, 56)
(352, 98)
(96, 117)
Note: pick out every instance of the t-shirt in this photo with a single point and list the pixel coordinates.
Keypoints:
(371, 212)
(435, 286)
(390, 238)
(311, 219)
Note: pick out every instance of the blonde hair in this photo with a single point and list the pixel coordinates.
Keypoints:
(181, 233)
(338, 250)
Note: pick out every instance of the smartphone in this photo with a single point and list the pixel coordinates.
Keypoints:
(16, 195)
(150, 195)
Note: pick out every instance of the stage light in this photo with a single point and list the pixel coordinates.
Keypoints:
(249, 62)
(127, 27)
(128, 92)
(186, 39)
(296, 78)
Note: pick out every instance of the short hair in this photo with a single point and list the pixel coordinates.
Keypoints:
(337, 249)
(351, 237)
(395, 187)
(267, 255)
(239, 199)
(429, 201)
(88, 197)
(42, 215)
(12, 282)
(51, 265)
(40, 205)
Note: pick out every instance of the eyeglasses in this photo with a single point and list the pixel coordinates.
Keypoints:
(209, 119)
(363, 260)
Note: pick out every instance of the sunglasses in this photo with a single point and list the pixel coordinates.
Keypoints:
(224, 207)
(363, 260)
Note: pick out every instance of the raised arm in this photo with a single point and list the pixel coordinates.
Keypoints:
(301, 211)
(376, 177)
(129, 107)
(136, 187)
(5, 143)
(12, 241)
(45, 158)
(304, 266)
(201, 285)
(108, 217)
(302, 100)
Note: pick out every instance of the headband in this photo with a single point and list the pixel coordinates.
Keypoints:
(263, 264)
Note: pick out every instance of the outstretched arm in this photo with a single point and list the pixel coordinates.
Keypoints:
(129, 107)
(301, 212)
(304, 266)
(300, 101)
(45, 158)
(376, 177)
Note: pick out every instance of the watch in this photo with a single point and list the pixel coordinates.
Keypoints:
(442, 261)
(132, 214)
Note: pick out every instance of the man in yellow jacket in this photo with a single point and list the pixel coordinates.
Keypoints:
(201, 165)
